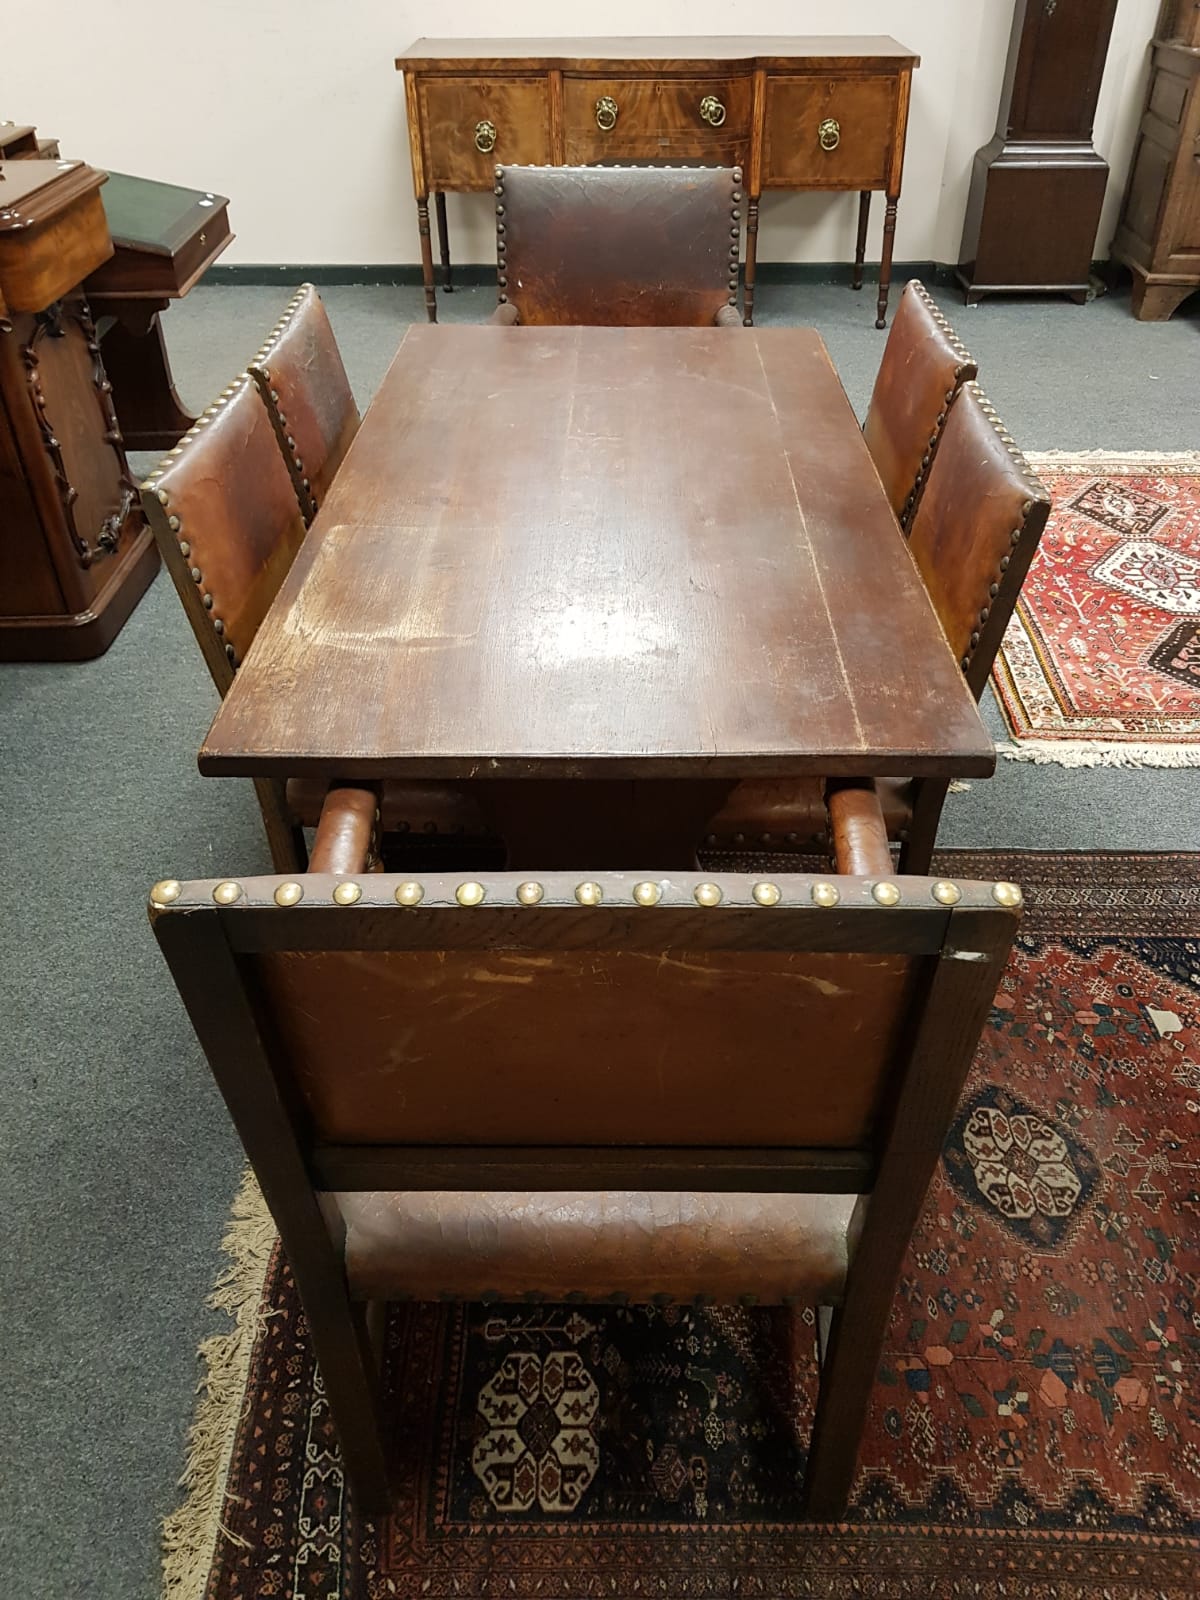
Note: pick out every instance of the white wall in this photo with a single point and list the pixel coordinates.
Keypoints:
(293, 109)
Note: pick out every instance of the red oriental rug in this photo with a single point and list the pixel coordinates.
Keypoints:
(1100, 665)
(1035, 1426)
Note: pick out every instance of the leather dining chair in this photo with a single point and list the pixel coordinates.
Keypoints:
(228, 525)
(976, 530)
(302, 380)
(396, 1077)
(618, 246)
(924, 366)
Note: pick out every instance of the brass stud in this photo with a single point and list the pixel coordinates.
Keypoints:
(409, 894)
(470, 894)
(1007, 894)
(289, 894)
(825, 894)
(529, 893)
(185, 548)
(946, 894)
(167, 892)
(707, 894)
(647, 894)
(589, 894)
(766, 894)
(885, 894)
(347, 893)
(173, 524)
(227, 893)
(161, 496)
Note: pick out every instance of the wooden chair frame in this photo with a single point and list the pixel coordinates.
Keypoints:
(206, 931)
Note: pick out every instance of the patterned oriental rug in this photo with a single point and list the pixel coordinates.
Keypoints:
(1101, 662)
(1035, 1425)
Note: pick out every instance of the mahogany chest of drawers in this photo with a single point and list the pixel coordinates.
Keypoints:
(794, 113)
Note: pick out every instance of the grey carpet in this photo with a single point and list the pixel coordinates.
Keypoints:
(117, 1164)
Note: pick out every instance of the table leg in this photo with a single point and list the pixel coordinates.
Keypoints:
(150, 412)
(426, 256)
(751, 260)
(929, 795)
(439, 201)
(885, 263)
(860, 249)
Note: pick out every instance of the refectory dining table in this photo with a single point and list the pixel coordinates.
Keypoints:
(597, 576)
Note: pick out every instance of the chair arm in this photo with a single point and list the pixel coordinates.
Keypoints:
(505, 316)
(345, 832)
(728, 317)
(860, 841)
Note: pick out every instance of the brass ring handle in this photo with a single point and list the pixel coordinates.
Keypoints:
(830, 133)
(485, 136)
(606, 113)
(712, 111)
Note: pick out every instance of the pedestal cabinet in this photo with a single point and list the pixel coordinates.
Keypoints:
(75, 551)
(1038, 187)
(1159, 232)
(793, 113)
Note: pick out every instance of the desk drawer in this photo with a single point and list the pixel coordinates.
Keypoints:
(657, 119)
(829, 133)
(462, 116)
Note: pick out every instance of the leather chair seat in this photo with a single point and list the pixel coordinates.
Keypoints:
(648, 1247)
(788, 814)
(406, 808)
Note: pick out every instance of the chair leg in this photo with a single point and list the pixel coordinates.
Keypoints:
(917, 850)
(284, 838)
(851, 1352)
(342, 1344)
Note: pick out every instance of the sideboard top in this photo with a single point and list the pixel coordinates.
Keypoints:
(680, 53)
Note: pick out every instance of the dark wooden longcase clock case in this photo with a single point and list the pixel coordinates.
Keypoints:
(1038, 186)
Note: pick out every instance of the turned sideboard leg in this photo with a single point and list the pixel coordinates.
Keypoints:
(751, 260)
(439, 201)
(885, 263)
(426, 256)
(860, 249)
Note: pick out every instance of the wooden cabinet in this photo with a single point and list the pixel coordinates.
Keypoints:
(794, 113)
(1159, 232)
(75, 552)
(1038, 187)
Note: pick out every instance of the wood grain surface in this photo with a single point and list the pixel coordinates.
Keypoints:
(603, 553)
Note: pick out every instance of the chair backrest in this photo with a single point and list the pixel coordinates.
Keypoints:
(924, 365)
(618, 246)
(301, 377)
(976, 530)
(227, 522)
(669, 1033)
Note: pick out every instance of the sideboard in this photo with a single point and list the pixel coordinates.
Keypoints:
(793, 113)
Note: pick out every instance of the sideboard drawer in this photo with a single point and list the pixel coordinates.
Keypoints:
(474, 124)
(829, 133)
(657, 119)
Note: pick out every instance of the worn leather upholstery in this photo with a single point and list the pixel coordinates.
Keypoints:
(406, 808)
(227, 522)
(300, 375)
(924, 365)
(618, 246)
(976, 531)
(649, 1246)
(788, 816)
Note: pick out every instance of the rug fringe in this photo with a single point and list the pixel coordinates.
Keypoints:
(1088, 753)
(190, 1533)
(1189, 459)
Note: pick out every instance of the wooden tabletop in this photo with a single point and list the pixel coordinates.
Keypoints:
(678, 52)
(603, 552)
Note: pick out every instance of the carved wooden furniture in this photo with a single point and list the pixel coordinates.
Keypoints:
(398, 1090)
(165, 239)
(924, 366)
(1159, 232)
(1038, 186)
(18, 141)
(75, 552)
(975, 531)
(618, 246)
(651, 562)
(228, 523)
(793, 113)
(303, 383)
